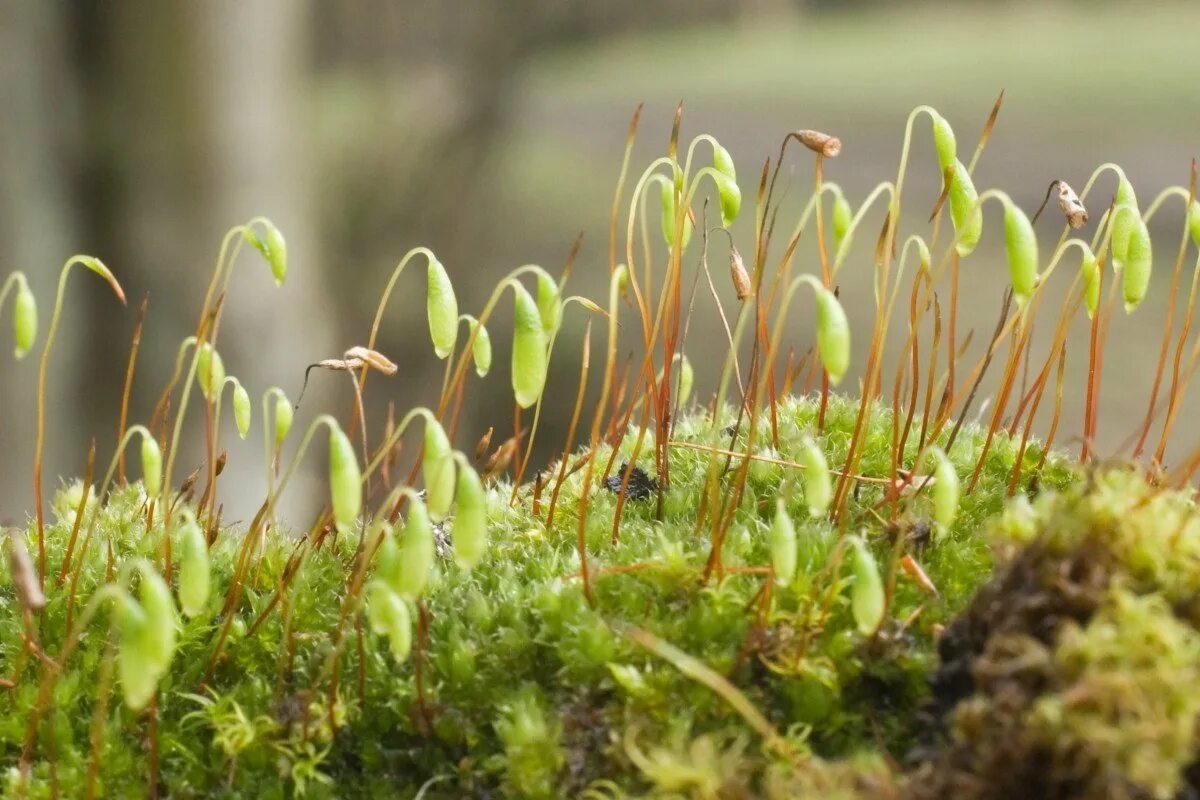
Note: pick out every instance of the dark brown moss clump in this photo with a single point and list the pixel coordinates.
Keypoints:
(1072, 673)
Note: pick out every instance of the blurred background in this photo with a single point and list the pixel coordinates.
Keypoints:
(492, 131)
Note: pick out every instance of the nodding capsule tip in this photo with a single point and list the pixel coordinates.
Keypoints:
(821, 143)
(1072, 207)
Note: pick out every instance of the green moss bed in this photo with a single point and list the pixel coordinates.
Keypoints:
(1059, 658)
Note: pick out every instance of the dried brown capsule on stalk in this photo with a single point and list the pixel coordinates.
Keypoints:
(821, 143)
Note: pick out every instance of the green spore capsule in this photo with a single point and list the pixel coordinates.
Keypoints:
(1091, 284)
(944, 142)
(1020, 245)
(965, 212)
(1139, 263)
(833, 336)
(818, 483)
(783, 544)
(843, 216)
(1123, 222)
(388, 615)
(867, 596)
(529, 349)
(687, 378)
(387, 562)
(1193, 221)
(272, 246)
(438, 470)
(470, 519)
(945, 491)
(194, 570)
(159, 636)
(731, 198)
(723, 162)
(284, 414)
(25, 322)
(345, 480)
(137, 669)
(210, 371)
(277, 254)
(151, 467)
(241, 410)
(416, 552)
(481, 350)
(441, 308)
(549, 302)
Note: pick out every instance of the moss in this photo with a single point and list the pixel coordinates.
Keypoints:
(1073, 672)
(526, 689)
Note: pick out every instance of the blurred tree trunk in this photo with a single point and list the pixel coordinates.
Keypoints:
(37, 228)
(191, 120)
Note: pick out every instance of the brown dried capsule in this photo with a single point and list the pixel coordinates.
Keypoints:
(741, 278)
(1072, 208)
(485, 444)
(822, 143)
(372, 358)
(24, 577)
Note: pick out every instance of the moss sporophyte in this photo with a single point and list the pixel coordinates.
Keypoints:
(766, 588)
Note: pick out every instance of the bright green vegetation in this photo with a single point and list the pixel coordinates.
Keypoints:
(528, 690)
(789, 596)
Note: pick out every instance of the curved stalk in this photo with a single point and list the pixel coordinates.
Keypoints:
(97, 266)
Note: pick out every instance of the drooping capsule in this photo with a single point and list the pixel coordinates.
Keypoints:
(843, 216)
(1123, 222)
(1091, 283)
(438, 470)
(416, 552)
(388, 615)
(345, 480)
(945, 491)
(723, 162)
(944, 142)
(549, 302)
(481, 349)
(1139, 263)
(195, 573)
(1072, 207)
(783, 544)
(284, 414)
(26, 584)
(470, 519)
(154, 596)
(529, 363)
(833, 336)
(441, 308)
(277, 253)
(743, 287)
(868, 598)
(241, 409)
(137, 670)
(730, 197)
(687, 378)
(818, 483)
(151, 466)
(272, 246)
(965, 212)
(24, 321)
(210, 371)
(726, 185)
(1194, 221)
(1020, 245)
